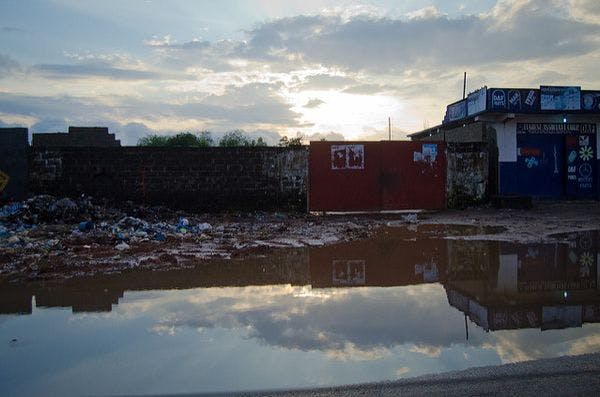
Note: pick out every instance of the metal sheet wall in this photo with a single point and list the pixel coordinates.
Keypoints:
(363, 176)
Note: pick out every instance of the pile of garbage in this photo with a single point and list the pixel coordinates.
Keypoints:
(43, 221)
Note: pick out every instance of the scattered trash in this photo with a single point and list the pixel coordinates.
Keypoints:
(10, 209)
(53, 237)
(202, 227)
(122, 246)
(86, 226)
(4, 232)
(410, 218)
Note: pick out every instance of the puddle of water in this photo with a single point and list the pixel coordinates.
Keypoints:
(405, 303)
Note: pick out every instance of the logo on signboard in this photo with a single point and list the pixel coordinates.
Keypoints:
(585, 170)
(531, 97)
(584, 140)
(514, 100)
(586, 153)
(498, 99)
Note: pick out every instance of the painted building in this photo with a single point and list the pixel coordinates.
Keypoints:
(544, 140)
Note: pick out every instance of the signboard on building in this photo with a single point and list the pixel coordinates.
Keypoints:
(560, 98)
(590, 101)
(513, 100)
(556, 128)
(456, 111)
(581, 156)
(476, 101)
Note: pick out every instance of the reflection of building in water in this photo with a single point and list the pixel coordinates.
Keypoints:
(545, 286)
(498, 285)
(98, 294)
(388, 260)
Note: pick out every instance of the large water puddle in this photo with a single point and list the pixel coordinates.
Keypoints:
(399, 305)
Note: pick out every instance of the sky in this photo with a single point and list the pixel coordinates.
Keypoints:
(316, 68)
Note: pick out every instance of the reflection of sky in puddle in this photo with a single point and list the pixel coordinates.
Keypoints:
(381, 309)
(258, 338)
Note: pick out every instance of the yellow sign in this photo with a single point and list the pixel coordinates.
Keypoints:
(3, 181)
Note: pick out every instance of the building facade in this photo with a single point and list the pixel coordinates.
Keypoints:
(543, 141)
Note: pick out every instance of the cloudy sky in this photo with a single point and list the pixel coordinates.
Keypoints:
(314, 67)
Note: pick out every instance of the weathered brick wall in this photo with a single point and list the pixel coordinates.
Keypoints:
(467, 177)
(203, 179)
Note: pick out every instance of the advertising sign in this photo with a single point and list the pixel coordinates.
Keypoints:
(590, 101)
(580, 155)
(556, 128)
(347, 157)
(476, 101)
(560, 98)
(513, 100)
(456, 111)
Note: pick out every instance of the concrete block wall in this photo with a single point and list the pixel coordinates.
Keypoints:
(77, 136)
(202, 179)
(14, 143)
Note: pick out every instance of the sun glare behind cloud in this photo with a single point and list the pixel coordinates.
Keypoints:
(355, 116)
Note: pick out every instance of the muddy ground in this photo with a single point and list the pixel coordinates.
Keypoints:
(80, 239)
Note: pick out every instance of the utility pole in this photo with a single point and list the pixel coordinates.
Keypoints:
(390, 128)
(464, 85)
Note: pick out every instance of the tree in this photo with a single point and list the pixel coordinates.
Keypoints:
(285, 141)
(183, 139)
(238, 138)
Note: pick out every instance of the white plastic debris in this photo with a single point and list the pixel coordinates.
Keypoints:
(122, 246)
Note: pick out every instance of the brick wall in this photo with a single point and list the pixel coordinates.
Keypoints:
(203, 179)
(467, 176)
(13, 163)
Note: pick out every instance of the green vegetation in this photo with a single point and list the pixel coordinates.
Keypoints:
(238, 138)
(204, 139)
(183, 139)
(285, 141)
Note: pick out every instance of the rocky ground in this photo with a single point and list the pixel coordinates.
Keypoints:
(49, 238)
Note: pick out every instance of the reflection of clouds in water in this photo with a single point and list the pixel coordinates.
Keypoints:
(429, 351)
(531, 344)
(351, 352)
(361, 324)
(347, 324)
(588, 344)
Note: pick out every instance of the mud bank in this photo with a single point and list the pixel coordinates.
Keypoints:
(48, 238)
